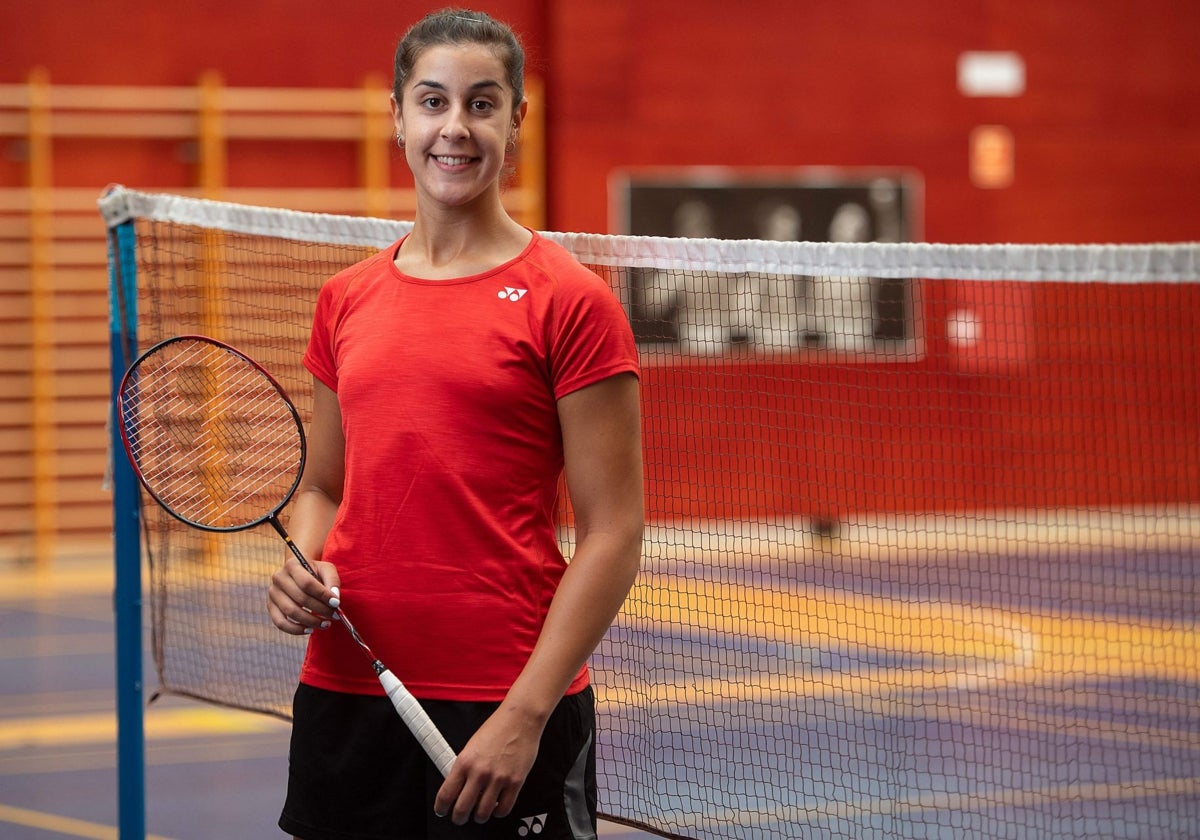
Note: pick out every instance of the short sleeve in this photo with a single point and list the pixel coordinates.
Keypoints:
(592, 339)
(318, 357)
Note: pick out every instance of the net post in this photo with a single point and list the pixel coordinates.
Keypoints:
(127, 552)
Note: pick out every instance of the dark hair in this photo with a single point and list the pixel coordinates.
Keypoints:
(456, 27)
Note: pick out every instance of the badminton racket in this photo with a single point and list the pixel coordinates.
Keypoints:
(219, 446)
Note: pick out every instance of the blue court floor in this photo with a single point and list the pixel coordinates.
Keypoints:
(210, 772)
(955, 694)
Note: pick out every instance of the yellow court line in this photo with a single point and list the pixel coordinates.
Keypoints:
(61, 825)
(62, 644)
(978, 647)
(67, 578)
(192, 752)
(1108, 648)
(57, 702)
(33, 732)
(925, 628)
(795, 616)
(980, 800)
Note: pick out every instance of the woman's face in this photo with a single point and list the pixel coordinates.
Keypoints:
(456, 118)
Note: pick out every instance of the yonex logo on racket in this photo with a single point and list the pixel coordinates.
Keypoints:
(509, 293)
(532, 825)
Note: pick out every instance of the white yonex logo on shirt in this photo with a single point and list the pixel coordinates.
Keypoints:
(511, 294)
(532, 825)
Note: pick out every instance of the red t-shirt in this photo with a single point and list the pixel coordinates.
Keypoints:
(445, 539)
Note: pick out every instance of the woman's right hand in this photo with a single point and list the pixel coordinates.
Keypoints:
(299, 602)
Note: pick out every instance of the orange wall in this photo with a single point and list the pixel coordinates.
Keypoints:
(1107, 148)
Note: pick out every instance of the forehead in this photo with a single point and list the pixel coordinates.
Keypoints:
(454, 65)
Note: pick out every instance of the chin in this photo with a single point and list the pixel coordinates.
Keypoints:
(461, 196)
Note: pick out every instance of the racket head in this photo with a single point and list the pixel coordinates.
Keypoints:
(211, 435)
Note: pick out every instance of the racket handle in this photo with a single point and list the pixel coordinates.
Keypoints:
(418, 722)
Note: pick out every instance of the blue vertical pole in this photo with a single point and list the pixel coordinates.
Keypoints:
(127, 546)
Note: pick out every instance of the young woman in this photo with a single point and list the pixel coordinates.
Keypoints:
(458, 375)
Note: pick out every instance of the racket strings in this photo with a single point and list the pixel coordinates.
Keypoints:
(212, 435)
(228, 477)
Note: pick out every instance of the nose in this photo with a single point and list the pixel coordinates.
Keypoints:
(455, 125)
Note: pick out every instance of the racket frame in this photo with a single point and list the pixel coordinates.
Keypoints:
(128, 385)
(406, 705)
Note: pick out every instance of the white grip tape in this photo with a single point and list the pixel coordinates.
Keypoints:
(418, 722)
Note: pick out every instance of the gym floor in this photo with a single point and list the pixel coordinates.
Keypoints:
(210, 772)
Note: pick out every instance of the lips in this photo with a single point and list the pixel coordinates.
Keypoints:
(452, 160)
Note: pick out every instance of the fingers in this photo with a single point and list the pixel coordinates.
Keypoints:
(464, 797)
(298, 602)
(488, 774)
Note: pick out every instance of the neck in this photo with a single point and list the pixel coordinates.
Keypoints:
(447, 243)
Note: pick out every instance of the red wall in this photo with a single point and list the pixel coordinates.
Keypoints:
(1097, 405)
(1107, 135)
(1107, 148)
(284, 43)
(1073, 396)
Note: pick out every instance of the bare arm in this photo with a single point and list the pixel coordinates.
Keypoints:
(297, 602)
(601, 428)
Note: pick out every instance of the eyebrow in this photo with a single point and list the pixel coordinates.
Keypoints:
(476, 86)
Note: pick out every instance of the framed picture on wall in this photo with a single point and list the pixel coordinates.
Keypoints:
(860, 316)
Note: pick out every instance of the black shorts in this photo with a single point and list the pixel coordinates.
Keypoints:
(356, 773)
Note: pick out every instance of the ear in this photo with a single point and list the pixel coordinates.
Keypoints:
(397, 116)
(519, 114)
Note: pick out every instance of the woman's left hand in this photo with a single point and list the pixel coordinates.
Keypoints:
(491, 769)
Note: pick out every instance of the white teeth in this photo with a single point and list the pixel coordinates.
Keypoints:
(452, 161)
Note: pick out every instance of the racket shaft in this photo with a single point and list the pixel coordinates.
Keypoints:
(418, 722)
(287, 538)
(214, 438)
(410, 711)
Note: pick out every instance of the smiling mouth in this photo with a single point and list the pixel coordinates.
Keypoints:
(452, 160)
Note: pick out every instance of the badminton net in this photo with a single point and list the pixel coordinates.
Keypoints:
(923, 539)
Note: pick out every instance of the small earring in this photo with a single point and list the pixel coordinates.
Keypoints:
(400, 141)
